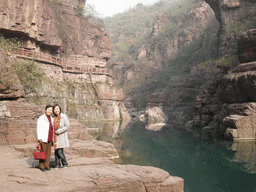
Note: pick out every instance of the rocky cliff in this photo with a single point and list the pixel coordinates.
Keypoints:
(170, 35)
(221, 90)
(66, 45)
(174, 34)
(228, 107)
(229, 14)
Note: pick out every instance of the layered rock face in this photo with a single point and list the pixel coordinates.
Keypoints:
(58, 28)
(30, 19)
(10, 85)
(231, 106)
(84, 43)
(169, 37)
(66, 45)
(238, 91)
(246, 46)
(228, 13)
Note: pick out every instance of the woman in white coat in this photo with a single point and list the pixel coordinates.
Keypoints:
(61, 125)
(45, 136)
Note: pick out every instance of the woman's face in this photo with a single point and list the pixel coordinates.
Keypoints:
(56, 110)
(48, 111)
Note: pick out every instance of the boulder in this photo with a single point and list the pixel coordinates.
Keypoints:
(155, 127)
(155, 115)
(244, 126)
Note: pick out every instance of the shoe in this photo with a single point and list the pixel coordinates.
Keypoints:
(43, 170)
(48, 169)
(65, 166)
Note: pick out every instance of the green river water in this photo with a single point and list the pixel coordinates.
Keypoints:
(205, 166)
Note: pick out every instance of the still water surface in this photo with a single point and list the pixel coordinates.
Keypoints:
(206, 166)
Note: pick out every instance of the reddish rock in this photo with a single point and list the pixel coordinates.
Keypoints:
(18, 121)
(105, 92)
(30, 19)
(10, 85)
(83, 174)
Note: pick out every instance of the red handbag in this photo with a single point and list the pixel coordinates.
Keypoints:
(38, 155)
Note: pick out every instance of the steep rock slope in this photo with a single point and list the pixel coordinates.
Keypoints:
(229, 13)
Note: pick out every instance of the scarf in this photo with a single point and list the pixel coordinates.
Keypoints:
(50, 134)
(56, 127)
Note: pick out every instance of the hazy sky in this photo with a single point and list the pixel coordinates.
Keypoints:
(110, 7)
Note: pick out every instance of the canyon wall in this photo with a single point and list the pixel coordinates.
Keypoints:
(221, 103)
(228, 106)
(167, 37)
(71, 50)
(228, 13)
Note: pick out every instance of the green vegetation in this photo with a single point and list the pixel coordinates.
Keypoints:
(7, 44)
(150, 79)
(6, 72)
(30, 75)
(90, 13)
(80, 9)
(130, 34)
(239, 27)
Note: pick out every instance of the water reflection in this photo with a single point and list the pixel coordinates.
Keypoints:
(244, 152)
(207, 166)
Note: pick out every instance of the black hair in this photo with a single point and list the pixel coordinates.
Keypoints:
(56, 105)
(48, 106)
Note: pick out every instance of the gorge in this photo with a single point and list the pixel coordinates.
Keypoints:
(190, 68)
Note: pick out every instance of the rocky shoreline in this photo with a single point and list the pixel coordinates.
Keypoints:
(19, 171)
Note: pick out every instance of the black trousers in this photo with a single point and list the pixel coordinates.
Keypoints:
(60, 157)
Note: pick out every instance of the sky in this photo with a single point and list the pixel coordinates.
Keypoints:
(110, 7)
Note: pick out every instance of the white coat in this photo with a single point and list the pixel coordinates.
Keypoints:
(62, 136)
(43, 126)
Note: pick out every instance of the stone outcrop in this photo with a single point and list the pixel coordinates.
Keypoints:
(247, 46)
(228, 13)
(10, 85)
(155, 115)
(239, 88)
(173, 41)
(86, 174)
(84, 42)
(169, 37)
(18, 122)
(30, 19)
(66, 45)
(229, 106)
